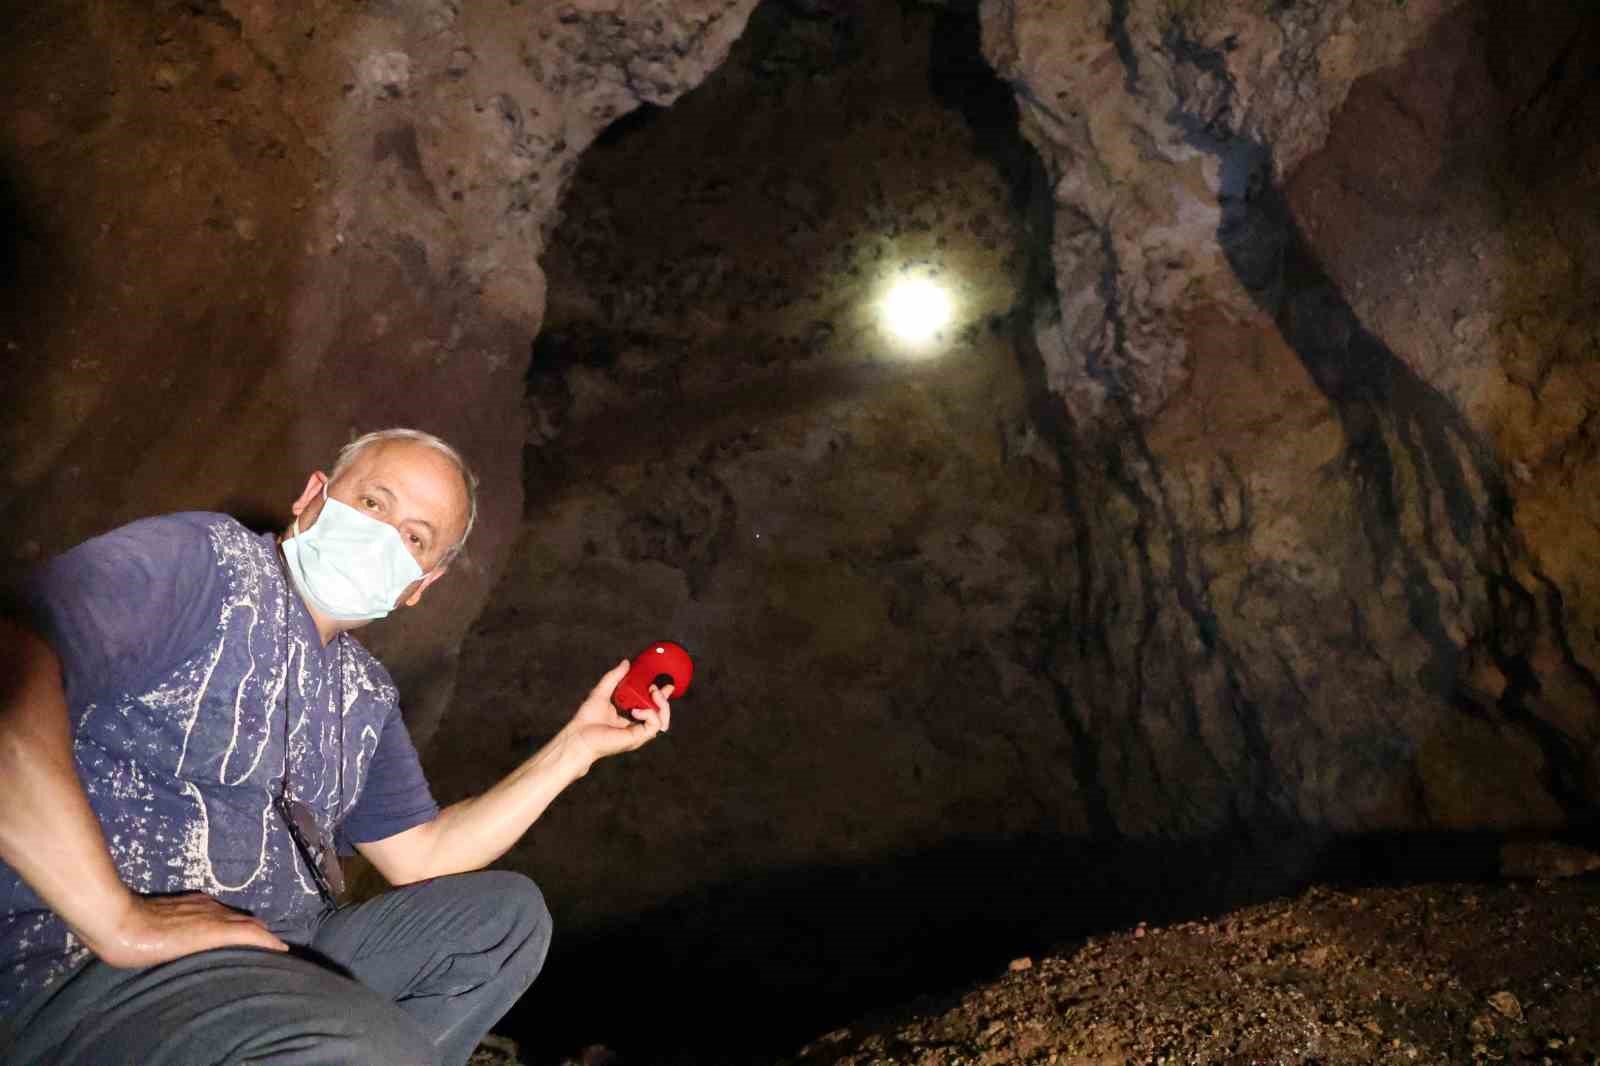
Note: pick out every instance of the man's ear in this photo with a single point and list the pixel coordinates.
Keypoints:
(427, 579)
(311, 493)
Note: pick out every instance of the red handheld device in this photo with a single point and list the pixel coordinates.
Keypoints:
(661, 664)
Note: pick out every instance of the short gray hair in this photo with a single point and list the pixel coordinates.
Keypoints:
(350, 452)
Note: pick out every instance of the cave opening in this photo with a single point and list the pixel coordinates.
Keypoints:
(732, 447)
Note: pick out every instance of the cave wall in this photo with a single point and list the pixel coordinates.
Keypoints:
(1258, 524)
(1284, 514)
(1323, 340)
(1272, 517)
(239, 233)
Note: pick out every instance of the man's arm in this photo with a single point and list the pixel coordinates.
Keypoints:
(51, 837)
(471, 834)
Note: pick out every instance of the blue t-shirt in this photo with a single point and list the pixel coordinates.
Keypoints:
(198, 687)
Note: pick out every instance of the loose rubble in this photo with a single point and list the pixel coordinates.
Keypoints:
(1464, 973)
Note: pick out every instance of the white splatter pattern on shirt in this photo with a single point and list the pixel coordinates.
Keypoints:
(184, 776)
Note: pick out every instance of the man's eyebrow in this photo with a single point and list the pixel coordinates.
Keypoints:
(378, 486)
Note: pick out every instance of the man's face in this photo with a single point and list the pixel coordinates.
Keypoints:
(406, 485)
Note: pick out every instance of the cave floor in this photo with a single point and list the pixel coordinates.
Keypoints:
(1449, 973)
(1504, 971)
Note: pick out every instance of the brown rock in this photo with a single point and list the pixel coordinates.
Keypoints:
(1507, 1005)
(1546, 858)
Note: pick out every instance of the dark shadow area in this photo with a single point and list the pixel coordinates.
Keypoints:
(253, 516)
(639, 118)
(28, 257)
(20, 252)
(17, 237)
(749, 970)
(963, 81)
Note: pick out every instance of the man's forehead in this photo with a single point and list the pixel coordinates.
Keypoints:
(413, 470)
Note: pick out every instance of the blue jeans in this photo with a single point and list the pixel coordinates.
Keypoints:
(415, 976)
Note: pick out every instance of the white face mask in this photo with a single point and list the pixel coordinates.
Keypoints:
(349, 566)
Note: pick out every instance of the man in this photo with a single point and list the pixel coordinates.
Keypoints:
(186, 725)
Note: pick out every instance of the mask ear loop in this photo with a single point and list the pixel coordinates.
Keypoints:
(294, 522)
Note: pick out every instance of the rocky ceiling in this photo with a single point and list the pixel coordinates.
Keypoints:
(1249, 499)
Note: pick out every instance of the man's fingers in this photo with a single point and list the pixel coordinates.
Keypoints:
(646, 725)
(245, 934)
(261, 939)
(249, 931)
(663, 708)
(264, 937)
(174, 926)
(227, 926)
(609, 681)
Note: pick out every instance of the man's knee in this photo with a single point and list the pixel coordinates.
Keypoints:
(521, 903)
(523, 922)
(510, 896)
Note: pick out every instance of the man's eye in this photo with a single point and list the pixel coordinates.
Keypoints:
(416, 540)
(369, 503)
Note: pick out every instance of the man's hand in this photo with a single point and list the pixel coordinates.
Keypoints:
(50, 836)
(155, 929)
(600, 730)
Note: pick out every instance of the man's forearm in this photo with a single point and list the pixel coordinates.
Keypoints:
(48, 832)
(471, 834)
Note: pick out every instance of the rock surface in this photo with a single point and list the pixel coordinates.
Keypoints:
(243, 232)
(1309, 263)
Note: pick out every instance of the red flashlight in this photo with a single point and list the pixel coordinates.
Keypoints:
(661, 664)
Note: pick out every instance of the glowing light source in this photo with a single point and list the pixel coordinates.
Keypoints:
(915, 309)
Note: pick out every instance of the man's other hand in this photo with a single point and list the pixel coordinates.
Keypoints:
(602, 730)
(156, 929)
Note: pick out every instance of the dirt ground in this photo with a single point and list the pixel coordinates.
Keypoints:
(1491, 972)
(1445, 973)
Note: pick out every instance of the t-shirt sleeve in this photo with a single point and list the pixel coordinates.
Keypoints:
(128, 606)
(396, 796)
